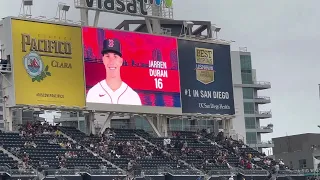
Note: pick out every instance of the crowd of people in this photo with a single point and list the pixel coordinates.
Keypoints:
(109, 147)
(29, 134)
(223, 147)
(205, 158)
(248, 160)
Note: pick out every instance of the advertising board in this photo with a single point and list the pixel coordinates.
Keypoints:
(47, 64)
(127, 68)
(205, 77)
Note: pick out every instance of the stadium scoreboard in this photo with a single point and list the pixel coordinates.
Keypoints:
(73, 66)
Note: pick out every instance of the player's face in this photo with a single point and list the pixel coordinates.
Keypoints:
(112, 63)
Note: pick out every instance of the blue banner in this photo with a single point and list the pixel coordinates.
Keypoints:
(205, 78)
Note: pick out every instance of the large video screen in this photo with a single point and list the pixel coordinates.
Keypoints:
(206, 78)
(130, 68)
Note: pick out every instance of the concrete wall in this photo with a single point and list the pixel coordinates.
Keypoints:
(295, 143)
(292, 159)
(294, 148)
(238, 123)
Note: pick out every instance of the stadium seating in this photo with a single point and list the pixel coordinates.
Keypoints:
(41, 146)
(5, 160)
(124, 145)
(248, 154)
(44, 147)
(195, 150)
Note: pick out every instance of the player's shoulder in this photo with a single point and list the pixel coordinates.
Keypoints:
(96, 87)
(129, 89)
(133, 95)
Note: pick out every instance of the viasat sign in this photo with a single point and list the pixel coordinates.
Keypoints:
(129, 7)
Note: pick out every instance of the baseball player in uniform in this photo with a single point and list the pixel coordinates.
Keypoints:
(112, 90)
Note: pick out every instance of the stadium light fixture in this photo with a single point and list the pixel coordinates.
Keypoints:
(215, 29)
(63, 7)
(25, 9)
(188, 24)
(62, 12)
(187, 28)
(27, 2)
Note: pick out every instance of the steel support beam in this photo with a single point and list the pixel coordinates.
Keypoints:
(107, 123)
(96, 19)
(149, 120)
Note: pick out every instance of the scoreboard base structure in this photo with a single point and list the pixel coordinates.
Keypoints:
(98, 107)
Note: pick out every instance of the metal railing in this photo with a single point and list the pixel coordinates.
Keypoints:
(193, 128)
(259, 127)
(262, 98)
(158, 171)
(260, 83)
(259, 143)
(185, 171)
(263, 83)
(253, 171)
(219, 172)
(5, 168)
(24, 172)
(28, 172)
(5, 67)
(263, 112)
(259, 112)
(265, 128)
(78, 170)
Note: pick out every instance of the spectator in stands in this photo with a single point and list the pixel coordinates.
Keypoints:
(241, 161)
(52, 141)
(21, 166)
(249, 165)
(103, 167)
(166, 142)
(58, 133)
(43, 164)
(250, 157)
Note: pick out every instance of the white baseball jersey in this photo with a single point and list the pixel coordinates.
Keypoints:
(102, 93)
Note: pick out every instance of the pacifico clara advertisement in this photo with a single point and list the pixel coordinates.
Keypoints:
(48, 64)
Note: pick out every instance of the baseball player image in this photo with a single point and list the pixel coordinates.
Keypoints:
(112, 90)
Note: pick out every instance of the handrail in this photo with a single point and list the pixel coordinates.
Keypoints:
(5, 67)
(264, 112)
(62, 172)
(262, 82)
(265, 142)
(262, 97)
(264, 127)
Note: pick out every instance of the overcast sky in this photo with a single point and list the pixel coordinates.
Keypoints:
(282, 36)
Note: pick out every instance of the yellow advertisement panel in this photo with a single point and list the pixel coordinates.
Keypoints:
(48, 64)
